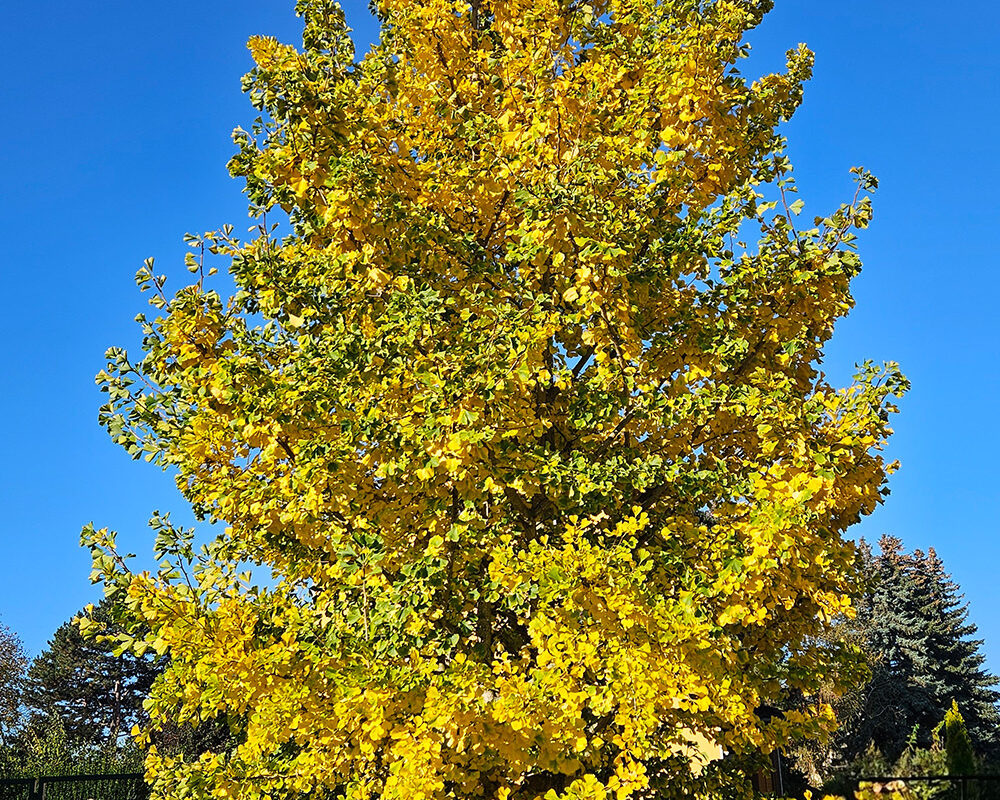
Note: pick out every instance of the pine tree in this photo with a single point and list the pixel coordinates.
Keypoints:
(96, 695)
(923, 655)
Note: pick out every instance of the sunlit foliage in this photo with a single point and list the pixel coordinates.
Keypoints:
(535, 447)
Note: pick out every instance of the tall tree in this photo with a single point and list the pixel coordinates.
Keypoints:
(953, 661)
(533, 446)
(12, 665)
(923, 654)
(895, 699)
(96, 695)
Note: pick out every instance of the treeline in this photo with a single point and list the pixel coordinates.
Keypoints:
(72, 709)
(929, 706)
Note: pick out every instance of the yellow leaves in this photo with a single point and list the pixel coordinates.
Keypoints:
(522, 477)
(733, 613)
(377, 278)
(512, 138)
(269, 54)
(424, 473)
(188, 354)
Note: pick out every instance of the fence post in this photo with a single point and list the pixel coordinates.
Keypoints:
(963, 788)
(36, 789)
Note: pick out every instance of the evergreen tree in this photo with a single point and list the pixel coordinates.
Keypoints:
(12, 664)
(895, 701)
(95, 695)
(954, 670)
(923, 656)
(958, 745)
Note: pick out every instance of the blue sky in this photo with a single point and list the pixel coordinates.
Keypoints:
(118, 132)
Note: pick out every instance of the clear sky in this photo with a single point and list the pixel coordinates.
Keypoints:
(118, 132)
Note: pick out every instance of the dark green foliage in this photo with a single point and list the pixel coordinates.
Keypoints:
(12, 664)
(923, 655)
(955, 666)
(924, 659)
(897, 700)
(94, 694)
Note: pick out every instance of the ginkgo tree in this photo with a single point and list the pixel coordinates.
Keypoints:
(519, 409)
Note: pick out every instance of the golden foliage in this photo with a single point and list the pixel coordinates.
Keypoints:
(535, 448)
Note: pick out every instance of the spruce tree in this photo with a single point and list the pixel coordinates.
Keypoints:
(954, 669)
(895, 700)
(923, 657)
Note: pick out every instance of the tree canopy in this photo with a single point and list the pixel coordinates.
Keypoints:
(533, 442)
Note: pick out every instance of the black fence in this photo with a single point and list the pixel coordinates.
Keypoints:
(943, 787)
(128, 786)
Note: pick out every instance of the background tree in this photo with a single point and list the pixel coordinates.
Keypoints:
(12, 665)
(896, 699)
(954, 663)
(533, 443)
(95, 695)
(923, 657)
